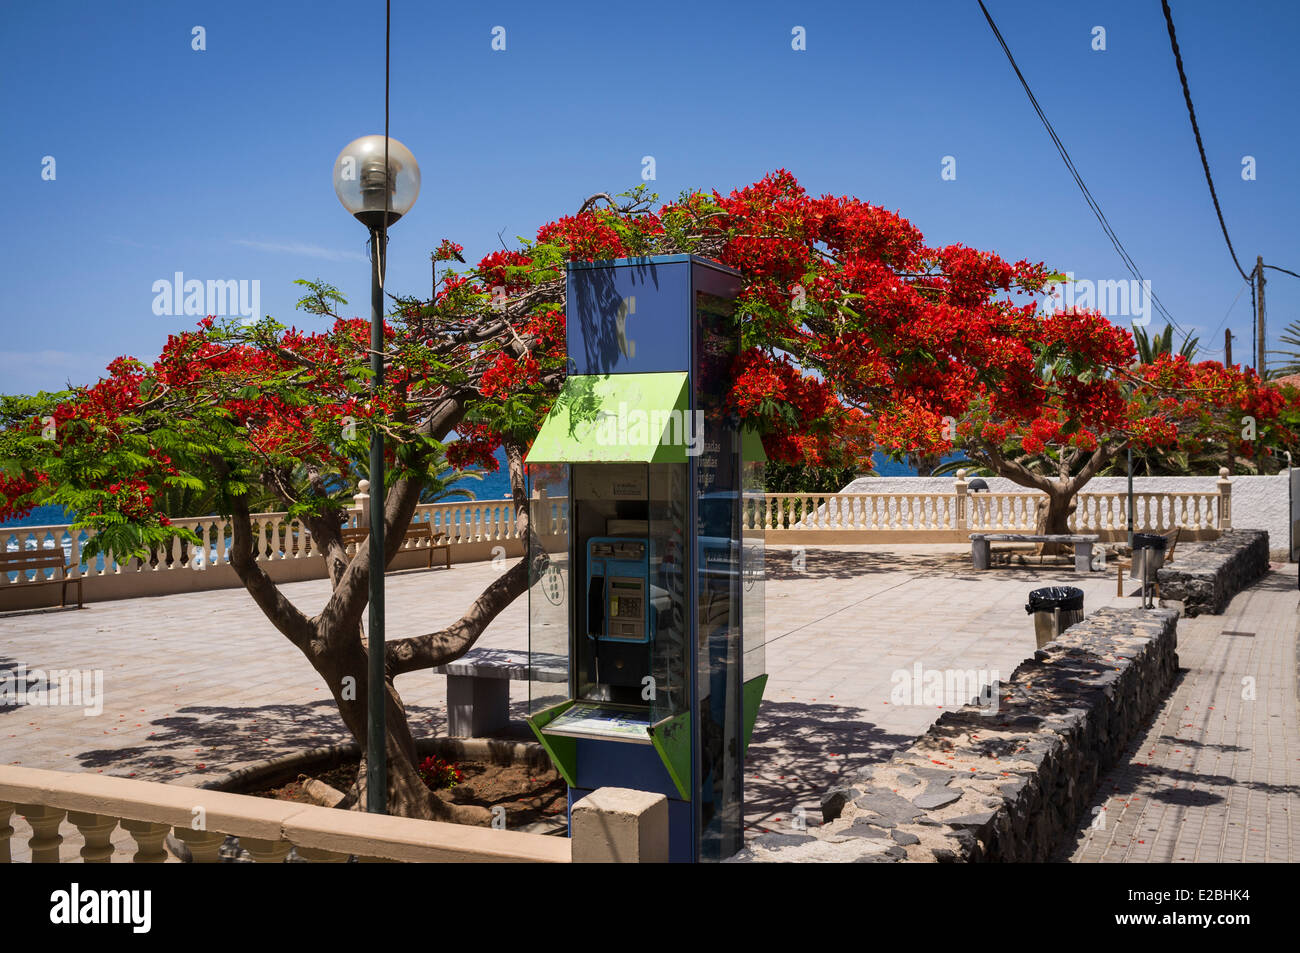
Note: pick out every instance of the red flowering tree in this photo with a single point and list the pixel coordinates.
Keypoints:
(860, 333)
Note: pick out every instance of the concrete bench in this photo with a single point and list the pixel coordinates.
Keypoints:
(981, 555)
(478, 687)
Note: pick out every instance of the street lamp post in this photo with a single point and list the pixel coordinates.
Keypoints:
(1129, 455)
(377, 179)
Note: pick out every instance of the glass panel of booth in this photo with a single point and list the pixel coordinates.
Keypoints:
(607, 598)
(719, 655)
(753, 570)
(549, 601)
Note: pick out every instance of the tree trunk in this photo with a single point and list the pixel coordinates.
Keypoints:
(1054, 517)
(334, 644)
(1061, 492)
(408, 795)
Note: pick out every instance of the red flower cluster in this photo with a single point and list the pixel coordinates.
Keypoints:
(438, 773)
(448, 250)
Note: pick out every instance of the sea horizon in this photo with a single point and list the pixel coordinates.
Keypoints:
(491, 486)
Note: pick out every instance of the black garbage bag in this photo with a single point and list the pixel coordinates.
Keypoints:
(1055, 597)
(1149, 541)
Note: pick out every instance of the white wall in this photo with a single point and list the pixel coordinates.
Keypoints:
(1258, 502)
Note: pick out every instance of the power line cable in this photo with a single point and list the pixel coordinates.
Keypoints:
(1196, 131)
(1209, 180)
(1218, 327)
(1129, 263)
(1254, 325)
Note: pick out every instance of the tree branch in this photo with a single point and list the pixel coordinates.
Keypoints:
(283, 614)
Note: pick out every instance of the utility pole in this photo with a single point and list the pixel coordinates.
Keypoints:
(1261, 367)
(1227, 352)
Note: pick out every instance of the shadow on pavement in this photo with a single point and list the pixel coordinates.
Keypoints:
(800, 750)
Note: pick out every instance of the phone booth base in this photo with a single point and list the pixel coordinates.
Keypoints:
(623, 765)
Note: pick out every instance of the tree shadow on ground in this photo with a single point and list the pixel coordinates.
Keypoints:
(1283, 580)
(220, 738)
(1190, 743)
(1177, 787)
(785, 562)
(799, 751)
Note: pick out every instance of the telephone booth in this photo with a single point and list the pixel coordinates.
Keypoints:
(645, 586)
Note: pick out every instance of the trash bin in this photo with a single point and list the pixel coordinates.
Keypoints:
(1148, 550)
(1054, 609)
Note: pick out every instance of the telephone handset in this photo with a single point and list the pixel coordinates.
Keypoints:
(595, 606)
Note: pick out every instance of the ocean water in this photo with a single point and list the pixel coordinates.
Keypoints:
(492, 486)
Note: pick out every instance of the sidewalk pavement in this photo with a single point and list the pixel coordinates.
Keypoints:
(1216, 778)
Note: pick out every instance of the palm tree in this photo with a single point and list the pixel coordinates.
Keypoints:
(1290, 356)
(1163, 343)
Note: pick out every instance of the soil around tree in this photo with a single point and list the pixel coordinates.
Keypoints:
(529, 794)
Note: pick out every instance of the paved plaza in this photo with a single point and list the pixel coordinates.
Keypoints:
(196, 685)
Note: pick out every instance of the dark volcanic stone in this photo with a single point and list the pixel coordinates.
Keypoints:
(863, 828)
(888, 805)
(834, 800)
(890, 856)
(941, 775)
(978, 819)
(935, 797)
(776, 841)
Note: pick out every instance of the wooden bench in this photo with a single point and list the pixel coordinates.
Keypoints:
(415, 533)
(478, 687)
(982, 557)
(40, 560)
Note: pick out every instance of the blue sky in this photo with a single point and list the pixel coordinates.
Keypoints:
(217, 163)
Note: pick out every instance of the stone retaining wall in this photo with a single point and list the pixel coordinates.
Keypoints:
(1210, 574)
(1006, 782)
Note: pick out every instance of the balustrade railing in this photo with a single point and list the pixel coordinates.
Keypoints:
(476, 529)
(953, 515)
(473, 528)
(52, 802)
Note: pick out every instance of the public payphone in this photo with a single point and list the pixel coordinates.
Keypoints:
(620, 614)
(642, 568)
